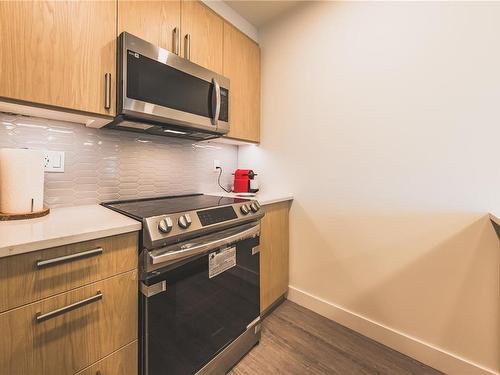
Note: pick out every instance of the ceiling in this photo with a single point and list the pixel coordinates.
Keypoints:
(258, 13)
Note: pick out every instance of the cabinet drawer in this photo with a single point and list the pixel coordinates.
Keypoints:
(121, 362)
(32, 276)
(48, 337)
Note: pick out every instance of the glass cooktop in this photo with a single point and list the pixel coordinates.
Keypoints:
(147, 207)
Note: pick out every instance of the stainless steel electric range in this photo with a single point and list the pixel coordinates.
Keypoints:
(199, 285)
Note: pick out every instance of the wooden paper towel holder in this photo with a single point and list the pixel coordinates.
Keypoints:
(30, 215)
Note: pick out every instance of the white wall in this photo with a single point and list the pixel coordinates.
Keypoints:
(383, 119)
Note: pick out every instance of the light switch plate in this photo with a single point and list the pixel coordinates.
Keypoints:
(54, 161)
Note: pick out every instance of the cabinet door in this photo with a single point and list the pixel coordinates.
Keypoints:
(153, 21)
(242, 67)
(121, 362)
(76, 328)
(273, 254)
(204, 29)
(57, 53)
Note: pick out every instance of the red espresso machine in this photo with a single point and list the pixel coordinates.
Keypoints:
(243, 181)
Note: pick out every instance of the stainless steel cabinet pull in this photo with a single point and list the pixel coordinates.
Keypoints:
(107, 93)
(175, 40)
(187, 47)
(52, 314)
(69, 258)
(215, 119)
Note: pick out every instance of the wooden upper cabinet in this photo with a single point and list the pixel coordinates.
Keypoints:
(242, 67)
(204, 29)
(153, 21)
(57, 53)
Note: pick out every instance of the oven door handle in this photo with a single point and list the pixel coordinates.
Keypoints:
(190, 249)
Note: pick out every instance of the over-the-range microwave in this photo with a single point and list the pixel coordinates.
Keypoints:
(161, 93)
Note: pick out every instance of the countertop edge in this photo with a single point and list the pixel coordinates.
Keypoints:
(265, 202)
(63, 226)
(28, 247)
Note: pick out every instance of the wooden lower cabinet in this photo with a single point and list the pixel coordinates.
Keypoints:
(121, 362)
(44, 273)
(274, 253)
(72, 340)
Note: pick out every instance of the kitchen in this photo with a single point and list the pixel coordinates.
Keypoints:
(261, 211)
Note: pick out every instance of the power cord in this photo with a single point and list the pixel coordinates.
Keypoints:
(218, 181)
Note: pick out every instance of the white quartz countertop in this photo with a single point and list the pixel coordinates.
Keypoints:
(62, 226)
(67, 225)
(263, 197)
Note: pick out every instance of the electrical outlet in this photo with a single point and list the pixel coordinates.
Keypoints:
(54, 161)
(217, 164)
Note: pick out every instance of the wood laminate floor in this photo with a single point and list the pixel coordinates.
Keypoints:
(296, 340)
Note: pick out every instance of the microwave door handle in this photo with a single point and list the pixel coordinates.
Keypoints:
(216, 92)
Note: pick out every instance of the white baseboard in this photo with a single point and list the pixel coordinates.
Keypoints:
(424, 352)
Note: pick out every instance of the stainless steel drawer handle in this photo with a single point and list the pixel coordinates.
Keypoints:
(52, 314)
(68, 258)
(107, 92)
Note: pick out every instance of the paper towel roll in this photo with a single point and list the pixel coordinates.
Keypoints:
(21, 180)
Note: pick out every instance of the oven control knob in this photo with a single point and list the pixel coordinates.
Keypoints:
(184, 221)
(254, 207)
(165, 225)
(244, 209)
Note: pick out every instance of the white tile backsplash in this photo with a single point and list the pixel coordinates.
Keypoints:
(102, 164)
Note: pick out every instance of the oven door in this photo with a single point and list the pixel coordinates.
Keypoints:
(196, 306)
(158, 86)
